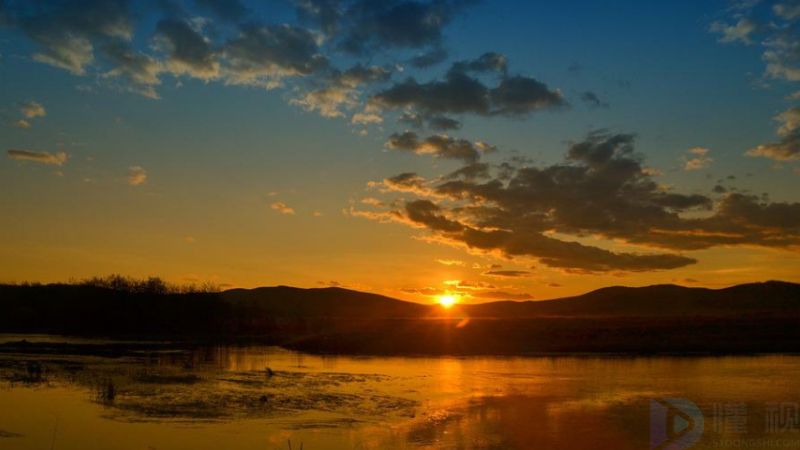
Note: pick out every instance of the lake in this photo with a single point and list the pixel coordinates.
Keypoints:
(258, 397)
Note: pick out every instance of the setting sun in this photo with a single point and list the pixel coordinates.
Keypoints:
(448, 300)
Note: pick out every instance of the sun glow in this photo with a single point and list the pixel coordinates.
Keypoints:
(448, 300)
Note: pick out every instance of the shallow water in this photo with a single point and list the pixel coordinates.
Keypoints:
(225, 398)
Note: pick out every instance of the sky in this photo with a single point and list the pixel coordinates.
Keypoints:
(490, 149)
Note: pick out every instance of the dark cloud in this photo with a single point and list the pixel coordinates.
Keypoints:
(440, 146)
(507, 273)
(600, 190)
(434, 122)
(55, 159)
(788, 147)
(591, 99)
(188, 51)
(368, 24)
(264, 54)
(99, 34)
(323, 13)
(488, 62)
(519, 95)
(471, 172)
(65, 31)
(460, 93)
(365, 26)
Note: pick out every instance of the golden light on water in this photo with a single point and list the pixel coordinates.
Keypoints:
(448, 300)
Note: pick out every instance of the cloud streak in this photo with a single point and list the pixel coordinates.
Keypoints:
(54, 159)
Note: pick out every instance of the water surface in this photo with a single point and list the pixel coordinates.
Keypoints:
(266, 397)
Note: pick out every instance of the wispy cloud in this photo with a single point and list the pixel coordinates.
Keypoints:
(55, 159)
(32, 110)
(137, 176)
(788, 147)
(697, 159)
(282, 208)
(507, 273)
(450, 262)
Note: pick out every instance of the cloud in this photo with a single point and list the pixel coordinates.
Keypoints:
(592, 100)
(507, 273)
(139, 72)
(137, 176)
(776, 34)
(450, 262)
(340, 91)
(404, 182)
(98, 36)
(741, 31)
(363, 26)
(788, 147)
(697, 159)
(440, 146)
(64, 31)
(262, 55)
(188, 51)
(31, 110)
(462, 93)
(556, 214)
(486, 63)
(57, 159)
(282, 208)
(434, 122)
(470, 172)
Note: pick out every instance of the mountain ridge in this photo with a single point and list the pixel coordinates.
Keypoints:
(668, 299)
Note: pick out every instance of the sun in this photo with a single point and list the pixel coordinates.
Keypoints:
(448, 300)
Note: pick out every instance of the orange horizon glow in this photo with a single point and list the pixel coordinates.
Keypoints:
(448, 300)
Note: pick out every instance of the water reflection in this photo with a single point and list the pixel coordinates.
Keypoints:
(261, 397)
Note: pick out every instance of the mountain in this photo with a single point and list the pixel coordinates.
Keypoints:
(329, 302)
(749, 318)
(771, 297)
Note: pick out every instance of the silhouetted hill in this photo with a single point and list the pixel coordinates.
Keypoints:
(322, 302)
(772, 297)
(758, 317)
(618, 301)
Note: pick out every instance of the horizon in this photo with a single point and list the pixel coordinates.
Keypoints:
(459, 299)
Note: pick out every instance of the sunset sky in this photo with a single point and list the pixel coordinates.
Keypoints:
(404, 147)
